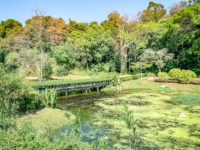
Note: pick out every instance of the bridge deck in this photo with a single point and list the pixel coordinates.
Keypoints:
(74, 86)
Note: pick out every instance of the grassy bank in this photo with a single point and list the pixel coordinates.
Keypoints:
(48, 118)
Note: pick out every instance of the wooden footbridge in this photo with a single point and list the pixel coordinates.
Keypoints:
(63, 86)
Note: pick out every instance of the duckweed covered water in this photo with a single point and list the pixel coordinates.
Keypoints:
(158, 127)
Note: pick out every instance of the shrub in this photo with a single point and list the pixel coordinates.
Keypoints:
(175, 74)
(31, 102)
(192, 100)
(62, 70)
(151, 74)
(103, 67)
(115, 79)
(186, 76)
(47, 71)
(163, 76)
(15, 98)
(126, 78)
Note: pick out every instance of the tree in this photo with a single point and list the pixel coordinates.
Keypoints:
(154, 12)
(61, 56)
(192, 2)
(141, 66)
(159, 58)
(92, 46)
(177, 7)
(188, 18)
(39, 29)
(10, 27)
(125, 41)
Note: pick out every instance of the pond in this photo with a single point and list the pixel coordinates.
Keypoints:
(158, 125)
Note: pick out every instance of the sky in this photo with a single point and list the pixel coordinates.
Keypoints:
(78, 10)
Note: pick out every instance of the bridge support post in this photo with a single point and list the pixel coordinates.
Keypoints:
(86, 91)
(66, 94)
(97, 90)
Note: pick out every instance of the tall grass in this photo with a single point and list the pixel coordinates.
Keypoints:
(50, 98)
(130, 120)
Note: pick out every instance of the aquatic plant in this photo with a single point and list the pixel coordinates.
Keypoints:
(192, 100)
(50, 98)
(130, 120)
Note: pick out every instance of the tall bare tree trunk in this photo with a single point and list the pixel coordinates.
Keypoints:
(39, 13)
(123, 58)
(41, 58)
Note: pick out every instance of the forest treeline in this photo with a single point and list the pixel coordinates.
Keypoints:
(155, 41)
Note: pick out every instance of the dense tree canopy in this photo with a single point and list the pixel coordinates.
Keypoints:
(154, 12)
(112, 45)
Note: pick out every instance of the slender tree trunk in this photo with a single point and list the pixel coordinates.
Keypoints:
(122, 58)
(87, 61)
(41, 57)
(159, 69)
(129, 67)
(87, 65)
(39, 26)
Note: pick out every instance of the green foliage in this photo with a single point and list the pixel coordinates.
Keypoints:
(26, 137)
(184, 76)
(116, 79)
(154, 12)
(158, 58)
(103, 67)
(15, 98)
(50, 98)
(12, 61)
(130, 120)
(9, 27)
(187, 18)
(163, 76)
(187, 76)
(191, 100)
(132, 77)
(61, 57)
(62, 70)
(47, 72)
(175, 74)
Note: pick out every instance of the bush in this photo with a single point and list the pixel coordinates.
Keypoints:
(32, 102)
(47, 72)
(186, 76)
(191, 100)
(103, 67)
(163, 76)
(116, 79)
(15, 97)
(183, 76)
(151, 74)
(62, 70)
(175, 74)
(137, 76)
(126, 78)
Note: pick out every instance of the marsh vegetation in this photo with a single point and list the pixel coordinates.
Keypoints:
(152, 65)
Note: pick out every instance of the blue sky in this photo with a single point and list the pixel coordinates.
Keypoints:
(78, 10)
